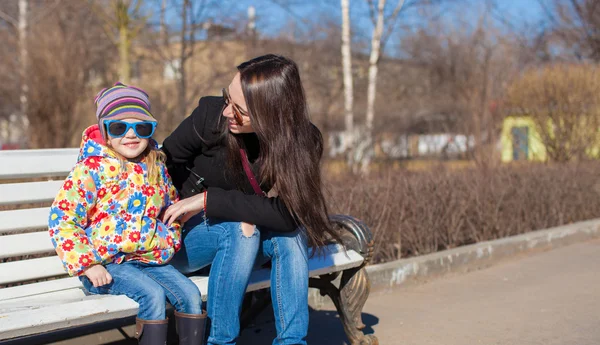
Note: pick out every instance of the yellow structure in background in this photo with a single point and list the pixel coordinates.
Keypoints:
(521, 141)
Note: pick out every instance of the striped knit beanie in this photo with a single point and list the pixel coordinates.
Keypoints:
(122, 102)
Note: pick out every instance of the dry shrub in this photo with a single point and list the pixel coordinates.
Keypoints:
(415, 213)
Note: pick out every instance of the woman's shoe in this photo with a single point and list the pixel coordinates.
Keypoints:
(151, 332)
(191, 328)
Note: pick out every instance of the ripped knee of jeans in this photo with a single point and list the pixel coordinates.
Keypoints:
(248, 230)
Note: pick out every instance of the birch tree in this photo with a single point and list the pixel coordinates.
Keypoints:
(347, 73)
(364, 149)
(23, 62)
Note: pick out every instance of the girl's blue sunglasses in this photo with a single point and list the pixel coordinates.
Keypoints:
(118, 128)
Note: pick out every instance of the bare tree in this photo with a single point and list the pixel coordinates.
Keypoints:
(62, 70)
(22, 26)
(575, 24)
(122, 24)
(467, 68)
(177, 52)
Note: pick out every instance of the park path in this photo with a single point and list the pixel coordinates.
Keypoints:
(548, 298)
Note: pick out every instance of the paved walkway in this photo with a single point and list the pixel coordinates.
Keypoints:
(549, 298)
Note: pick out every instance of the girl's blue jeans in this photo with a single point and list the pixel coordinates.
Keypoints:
(233, 256)
(150, 286)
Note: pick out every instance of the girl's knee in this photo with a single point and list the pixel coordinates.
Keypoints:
(193, 302)
(154, 296)
(152, 304)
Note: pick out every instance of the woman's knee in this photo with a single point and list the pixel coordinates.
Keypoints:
(248, 230)
(243, 238)
(292, 244)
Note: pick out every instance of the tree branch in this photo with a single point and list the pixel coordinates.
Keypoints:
(10, 20)
(372, 11)
(45, 11)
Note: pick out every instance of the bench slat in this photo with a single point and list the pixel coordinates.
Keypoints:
(35, 289)
(18, 220)
(45, 319)
(43, 300)
(19, 164)
(25, 244)
(21, 193)
(24, 270)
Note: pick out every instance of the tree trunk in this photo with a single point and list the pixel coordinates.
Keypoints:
(23, 58)
(124, 48)
(367, 154)
(182, 81)
(164, 34)
(347, 68)
(373, 66)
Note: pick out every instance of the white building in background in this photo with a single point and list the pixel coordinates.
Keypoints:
(403, 146)
(339, 142)
(11, 132)
(436, 144)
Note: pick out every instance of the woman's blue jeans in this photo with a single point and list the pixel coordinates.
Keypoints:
(151, 286)
(233, 256)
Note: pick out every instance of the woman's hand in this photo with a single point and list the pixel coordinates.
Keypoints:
(98, 275)
(186, 208)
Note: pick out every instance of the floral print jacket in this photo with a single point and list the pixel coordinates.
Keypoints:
(107, 213)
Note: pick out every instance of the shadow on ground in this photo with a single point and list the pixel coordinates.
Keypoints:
(325, 328)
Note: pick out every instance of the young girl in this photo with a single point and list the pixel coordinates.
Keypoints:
(105, 225)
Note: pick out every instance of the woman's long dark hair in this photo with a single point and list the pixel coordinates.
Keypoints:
(290, 145)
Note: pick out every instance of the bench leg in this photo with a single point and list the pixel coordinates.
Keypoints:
(354, 287)
(349, 300)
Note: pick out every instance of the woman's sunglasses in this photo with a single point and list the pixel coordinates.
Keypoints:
(118, 128)
(237, 111)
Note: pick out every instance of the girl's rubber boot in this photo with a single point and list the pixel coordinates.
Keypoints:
(151, 332)
(191, 328)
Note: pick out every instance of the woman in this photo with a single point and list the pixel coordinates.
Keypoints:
(260, 127)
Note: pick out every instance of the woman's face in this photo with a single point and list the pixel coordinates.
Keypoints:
(237, 100)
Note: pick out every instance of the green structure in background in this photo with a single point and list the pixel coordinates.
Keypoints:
(521, 141)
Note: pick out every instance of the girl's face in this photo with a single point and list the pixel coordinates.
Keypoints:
(236, 106)
(129, 145)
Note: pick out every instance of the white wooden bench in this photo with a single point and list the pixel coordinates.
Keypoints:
(42, 304)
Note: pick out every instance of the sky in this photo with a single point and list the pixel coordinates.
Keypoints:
(273, 16)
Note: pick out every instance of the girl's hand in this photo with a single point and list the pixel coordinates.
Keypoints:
(98, 275)
(186, 208)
